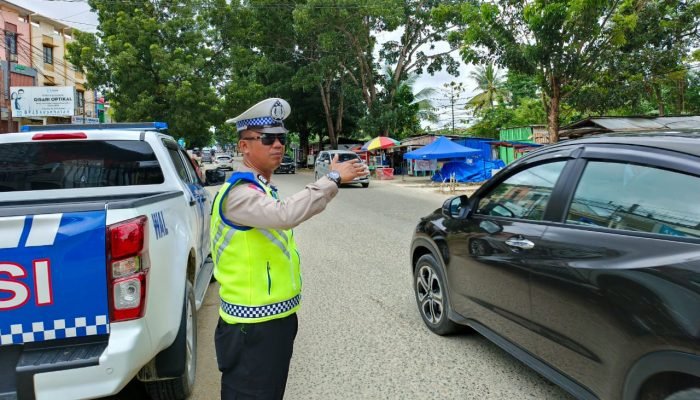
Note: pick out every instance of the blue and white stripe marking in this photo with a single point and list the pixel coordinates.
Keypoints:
(243, 124)
(58, 329)
(42, 230)
(53, 279)
(269, 310)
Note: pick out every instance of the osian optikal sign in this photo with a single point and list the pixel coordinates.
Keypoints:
(42, 101)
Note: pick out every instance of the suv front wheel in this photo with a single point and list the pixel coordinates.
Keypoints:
(431, 295)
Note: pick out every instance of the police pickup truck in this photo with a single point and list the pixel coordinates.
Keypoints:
(104, 261)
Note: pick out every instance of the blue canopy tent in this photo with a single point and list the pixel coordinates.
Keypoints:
(441, 148)
(444, 148)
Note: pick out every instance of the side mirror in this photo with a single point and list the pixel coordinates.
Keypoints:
(456, 207)
(214, 177)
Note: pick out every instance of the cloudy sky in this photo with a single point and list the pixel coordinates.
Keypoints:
(77, 13)
(73, 13)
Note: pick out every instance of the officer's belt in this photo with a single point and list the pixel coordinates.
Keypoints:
(239, 311)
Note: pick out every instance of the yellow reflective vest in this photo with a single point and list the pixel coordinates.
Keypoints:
(258, 268)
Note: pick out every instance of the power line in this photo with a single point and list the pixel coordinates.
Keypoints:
(58, 61)
(76, 14)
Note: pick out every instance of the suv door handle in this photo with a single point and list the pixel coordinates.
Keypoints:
(520, 242)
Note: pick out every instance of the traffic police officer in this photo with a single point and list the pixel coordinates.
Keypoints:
(257, 263)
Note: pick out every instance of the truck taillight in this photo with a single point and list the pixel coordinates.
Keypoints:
(127, 268)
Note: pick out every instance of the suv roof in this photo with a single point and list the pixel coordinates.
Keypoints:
(683, 141)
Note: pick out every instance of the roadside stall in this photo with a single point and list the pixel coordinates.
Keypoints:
(377, 160)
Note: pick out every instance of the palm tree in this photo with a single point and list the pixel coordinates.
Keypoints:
(490, 84)
(426, 109)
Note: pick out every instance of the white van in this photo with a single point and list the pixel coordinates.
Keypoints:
(323, 164)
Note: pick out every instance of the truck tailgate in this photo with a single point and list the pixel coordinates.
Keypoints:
(53, 277)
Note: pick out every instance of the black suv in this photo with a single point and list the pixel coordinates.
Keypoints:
(286, 166)
(582, 260)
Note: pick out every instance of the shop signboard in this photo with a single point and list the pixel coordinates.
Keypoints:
(42, 101)
(79, 119)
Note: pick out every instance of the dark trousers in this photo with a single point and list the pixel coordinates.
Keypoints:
(254, 358)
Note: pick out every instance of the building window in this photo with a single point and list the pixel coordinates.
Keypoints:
(11, 41)
(80, 98)
(48, 55)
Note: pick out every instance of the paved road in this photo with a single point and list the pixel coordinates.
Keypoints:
(360, 334)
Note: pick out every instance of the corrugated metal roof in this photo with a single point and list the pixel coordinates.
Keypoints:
(681, 122)
(627, 124)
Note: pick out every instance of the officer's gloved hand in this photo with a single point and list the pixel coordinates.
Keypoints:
(349, 170)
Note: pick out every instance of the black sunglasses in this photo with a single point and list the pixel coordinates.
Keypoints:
(268, 139)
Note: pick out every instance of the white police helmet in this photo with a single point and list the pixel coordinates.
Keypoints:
(265, 117)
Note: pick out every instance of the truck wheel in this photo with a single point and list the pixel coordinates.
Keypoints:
(181, 388)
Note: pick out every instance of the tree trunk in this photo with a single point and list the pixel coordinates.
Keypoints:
(326, 100)
(659, 100)
(553, 111)
(304, 145)
(681, 96)
(340, 111)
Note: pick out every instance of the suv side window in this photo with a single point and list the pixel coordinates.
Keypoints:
(523, 195)
(323, 157)
(173, 152)
(637, 198)
(194, 178)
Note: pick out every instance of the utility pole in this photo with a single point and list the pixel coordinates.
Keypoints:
(10, 121)
(454, 94)
(452, 103)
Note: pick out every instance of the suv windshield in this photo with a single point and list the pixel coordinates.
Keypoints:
(68, 165)
(345, 156)
(286, 159)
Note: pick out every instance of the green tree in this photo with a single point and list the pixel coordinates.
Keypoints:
(649, 74)
(400, 114)
(658, 47)
(152, 58)
(348, 29)
(520, 86)
(560, 42)
(693, 93)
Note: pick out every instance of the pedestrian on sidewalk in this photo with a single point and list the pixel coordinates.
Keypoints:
(256, 259)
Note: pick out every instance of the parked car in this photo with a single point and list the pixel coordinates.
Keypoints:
(116, 252)
(323, 164)
(581, 259)
(287, 166)
(206, 157)
(224, 162)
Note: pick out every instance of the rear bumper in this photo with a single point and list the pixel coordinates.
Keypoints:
(128, 349)
(285, 169)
